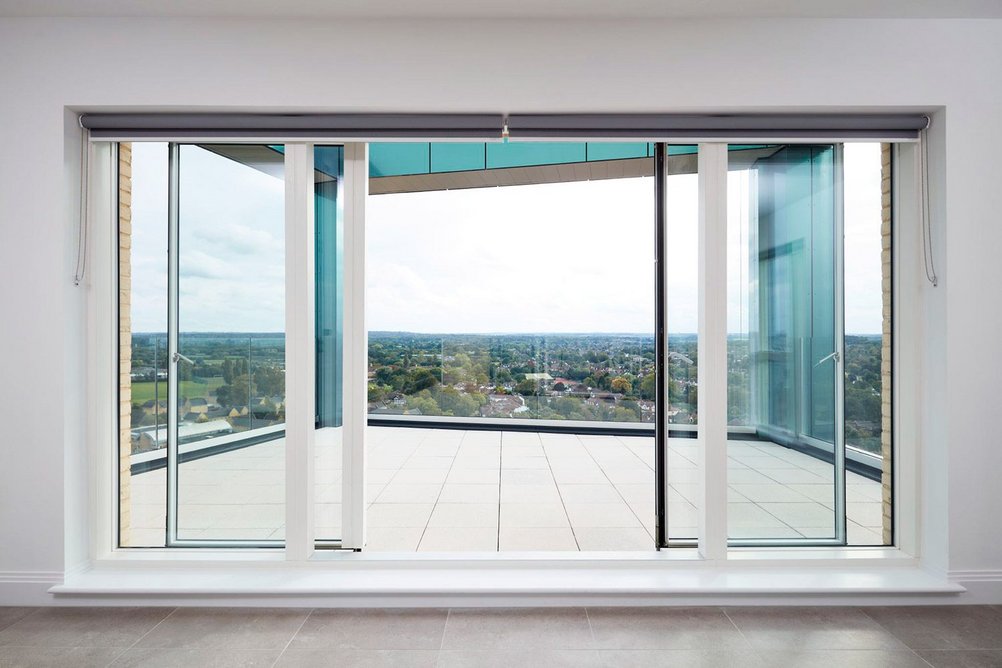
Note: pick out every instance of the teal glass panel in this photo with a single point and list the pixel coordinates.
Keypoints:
(821, 413)
(677, 149)
(329, 250)
(525, 154)
(399, 158)
(598, 150)
(796, 295)
(458, 156)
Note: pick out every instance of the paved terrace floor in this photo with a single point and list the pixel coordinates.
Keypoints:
(449, 490)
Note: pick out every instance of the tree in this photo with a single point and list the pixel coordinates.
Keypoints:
(377, 393)
(648, 387)
(527, 388)
(419, 379)
(237, 393)
(269, 380)
(621, 384)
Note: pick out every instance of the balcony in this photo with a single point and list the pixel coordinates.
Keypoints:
(452, 490)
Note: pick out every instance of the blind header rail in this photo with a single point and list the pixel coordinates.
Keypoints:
(363, 126)
(716, 126)
(646, 127)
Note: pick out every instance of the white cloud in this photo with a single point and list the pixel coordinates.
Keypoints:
(569, 257)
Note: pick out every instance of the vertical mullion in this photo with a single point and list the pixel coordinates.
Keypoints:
(712, 381)
(838, 285)
(300, 349)
(173, 202)
(355, 347)
(660, 350)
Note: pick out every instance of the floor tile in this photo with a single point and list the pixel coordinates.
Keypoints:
(465, 476)
(526, 477)
(419, 476)
(601, 539)
(401, 539)
(532, 515)
(452, 539)
(435, 463)
(578, 475)
(962, 658)
(750, 515)
(777, 493)
(226, 628)
(83, 627)
(768, 532)
(797, 475)
(809, 515)
(359, 658)
(522, 462)
(942, 627)
(391, 515)
(601, 515)
(11, 614)
(372, 629)
(854, 658)
(396, 492)
(527, 450)
(522, 539)
(664, 628)
(494, 628)
(464, 515)
(868, 514)
(631, 477)
(529, 494)
(589, 493)
(570, 658)
(857, 535)
(463, 493)
(185, 658)
(808, 628)
(57, 657)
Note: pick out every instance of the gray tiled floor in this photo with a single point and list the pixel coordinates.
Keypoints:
(433, 490)
(948, 636)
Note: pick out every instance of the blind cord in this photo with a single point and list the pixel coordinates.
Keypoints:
(924, 208)
(81, 266)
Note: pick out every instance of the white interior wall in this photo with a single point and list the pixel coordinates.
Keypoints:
(49, 65)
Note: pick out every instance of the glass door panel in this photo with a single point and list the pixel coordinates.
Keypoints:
(680, 372)
(226, 463)
(784, 336)
(329, 248)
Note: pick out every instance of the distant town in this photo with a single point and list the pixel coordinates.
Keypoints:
(235, 382)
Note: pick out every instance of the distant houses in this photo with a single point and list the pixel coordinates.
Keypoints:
(503, 406)
(155, 438)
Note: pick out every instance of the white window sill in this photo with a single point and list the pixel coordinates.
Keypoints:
(349, 580)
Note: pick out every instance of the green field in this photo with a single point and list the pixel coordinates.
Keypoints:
(190, 389)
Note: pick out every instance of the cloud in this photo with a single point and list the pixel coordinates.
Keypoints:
(568, 257)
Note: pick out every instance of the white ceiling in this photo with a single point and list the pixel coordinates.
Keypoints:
(563, 9)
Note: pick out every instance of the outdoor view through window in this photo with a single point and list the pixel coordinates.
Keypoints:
(508, 282)
(526, 301)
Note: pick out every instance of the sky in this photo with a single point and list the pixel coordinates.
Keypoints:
(231, 238)
(567, 257)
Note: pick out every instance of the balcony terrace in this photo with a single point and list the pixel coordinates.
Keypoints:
(445, 490)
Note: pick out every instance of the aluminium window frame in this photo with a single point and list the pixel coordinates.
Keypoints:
(103, 317)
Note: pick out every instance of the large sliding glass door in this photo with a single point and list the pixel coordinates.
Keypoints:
(225, 456)
(784, 344)
(207, 385)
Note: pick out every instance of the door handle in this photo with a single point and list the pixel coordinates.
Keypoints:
(833, 356)
(179, 356)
